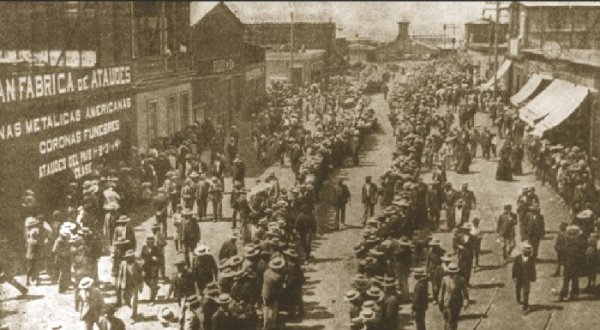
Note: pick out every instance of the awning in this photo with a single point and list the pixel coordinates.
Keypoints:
(559, 95)
(563, 105)
(502, 70)
(533, 85)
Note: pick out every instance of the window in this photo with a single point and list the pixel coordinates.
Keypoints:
(185, 109)
(172, 115)
(152, 119)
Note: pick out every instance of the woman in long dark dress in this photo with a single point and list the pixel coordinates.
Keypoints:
(504, 170)
(517, 159)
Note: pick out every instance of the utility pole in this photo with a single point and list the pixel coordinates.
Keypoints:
(496, 48)
(292, 49)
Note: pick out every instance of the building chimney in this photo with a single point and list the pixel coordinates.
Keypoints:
(402, 30)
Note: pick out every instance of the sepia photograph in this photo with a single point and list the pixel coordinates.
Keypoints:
(299, 165)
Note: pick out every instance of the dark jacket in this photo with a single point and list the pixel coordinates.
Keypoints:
(421, 295)
(341, 195)
(524, 271)
(371, 196)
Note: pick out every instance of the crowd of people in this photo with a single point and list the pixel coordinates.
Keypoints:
(257, 274)
(400, 238)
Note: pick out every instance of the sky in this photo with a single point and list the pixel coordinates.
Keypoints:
(376, 20)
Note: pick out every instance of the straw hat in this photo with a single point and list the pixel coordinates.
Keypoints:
(166, 315)
(223, 299)
(452, 268)
(201, 250)
(419, 273)
(277, 263)
(123, 219)
(351, 296)
(86, 283)
(31, 221)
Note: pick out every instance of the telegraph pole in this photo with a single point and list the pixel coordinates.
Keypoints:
(292, 48)
(496, 48)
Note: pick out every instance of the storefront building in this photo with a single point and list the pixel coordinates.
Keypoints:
(229, 73)
(55, 124)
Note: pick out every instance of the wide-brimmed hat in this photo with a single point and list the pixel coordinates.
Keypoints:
(86, 282)
(585, 214)
(192, 301)
(166, 315)
(367, 314)
(194, 175)
(452, 268)
(230, 273)
(291, 253)
(375, 292)
(388, 282)
(64, 231)
(446, 258)
(351, 295)
(466, 226)
(404, 242)
(526, 246)
(211, 289)
(68, 225)
(123, 219)
(31, 221)
(201, 249)
(376, 253)
(236, 260)
(223, 299)
(419, 273)
(277, 263)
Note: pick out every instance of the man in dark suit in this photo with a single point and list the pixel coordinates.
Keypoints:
(218, 169)
(420, 298)
(506, 230)
(453, 297)
(369, 199)
(128, 282)
(190, 234)
(523, 273)
(470, 203)
(341, 197)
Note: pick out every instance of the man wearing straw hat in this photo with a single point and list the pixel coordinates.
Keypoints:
(420, 298)
(92, 302)
(204, 267)
(128, 282)
(523, 273)
(62, 254)
(453, 297)
(271, 290)
(506, 230)
(32, 254)
(190, 234)
(223, 319)
(151, 263)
